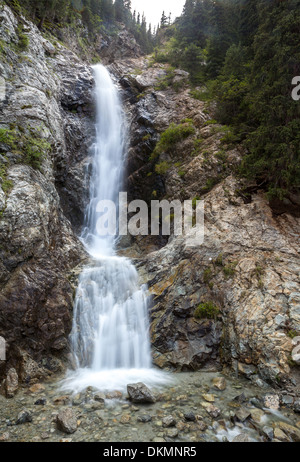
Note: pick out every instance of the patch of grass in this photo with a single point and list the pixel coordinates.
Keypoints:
(173, 135)
(229, 270)
(219, 260)
(210, 122)
(29, 144)
(162, 167)
(23, 39)
(207, 275)
(292, 334)
(206, 310)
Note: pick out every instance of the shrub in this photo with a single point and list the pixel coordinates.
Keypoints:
(172, 136)
(162, 168)
(207, 275)
(206, 310)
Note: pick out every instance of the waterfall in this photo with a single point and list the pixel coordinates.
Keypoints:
(110, 334)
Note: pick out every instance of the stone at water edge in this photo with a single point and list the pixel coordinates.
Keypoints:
(219, 383)
(11, 383)
(190, 417)
(66, 421)
(140, 393)
(115, 394)
(209, 398)
(272, 402)
(24, 417)
(144, 418)
(169, 421)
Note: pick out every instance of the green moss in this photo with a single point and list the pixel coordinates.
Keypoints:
(173, 135)
(28, 143)
(181, 173)
(162, 168)
(292, 334)
(229, 270)
(219, 260)
(206, 310)
(207, 275)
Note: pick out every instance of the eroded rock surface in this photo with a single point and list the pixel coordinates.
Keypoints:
(46, 128)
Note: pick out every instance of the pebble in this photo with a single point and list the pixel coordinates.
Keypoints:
(190, 417)
(169, 421)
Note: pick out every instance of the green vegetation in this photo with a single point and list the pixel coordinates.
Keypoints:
(206, 310)
(162, 168)
(207, 275)
(244, 54)
(29, 144)
(96, 16)
(292, 334)
(173, 135)
(229, 270)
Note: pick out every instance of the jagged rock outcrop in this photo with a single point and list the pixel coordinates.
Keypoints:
(247, 266)
(46, 129)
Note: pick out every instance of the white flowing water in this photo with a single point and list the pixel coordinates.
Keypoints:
(110, 335)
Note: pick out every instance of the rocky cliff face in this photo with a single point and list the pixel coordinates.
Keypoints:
(46, 129)
(247, 266)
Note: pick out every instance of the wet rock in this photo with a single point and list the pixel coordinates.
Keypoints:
(247, 369)
(40, 402)
(190, 417)
(169, 421)
(158, 440)
(125, 419)
(209, 398)
(11, 383)
(241, 438)
(242, 414)
(172, 433)
(296, 406)
(272, 402)
(287, 400)
(140, 393)
(219, 383)
(257, 415)
(240, 398)
(144, 418)
(113, 395)
(279, 435)
(99, 397)
(61, 400)
(37, 388)
(24, 417)
(268, 432)
(5, 436)
(291, 432)
(202, 426)
(212, 410)
(66, 421)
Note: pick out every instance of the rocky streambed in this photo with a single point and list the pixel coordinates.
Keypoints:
(193, 407)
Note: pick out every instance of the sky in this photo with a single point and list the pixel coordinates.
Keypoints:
(153, 9)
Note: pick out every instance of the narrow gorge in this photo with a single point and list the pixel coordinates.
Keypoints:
(204, 335)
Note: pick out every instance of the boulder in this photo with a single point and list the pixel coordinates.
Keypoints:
(66, 421)
(140, 393)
